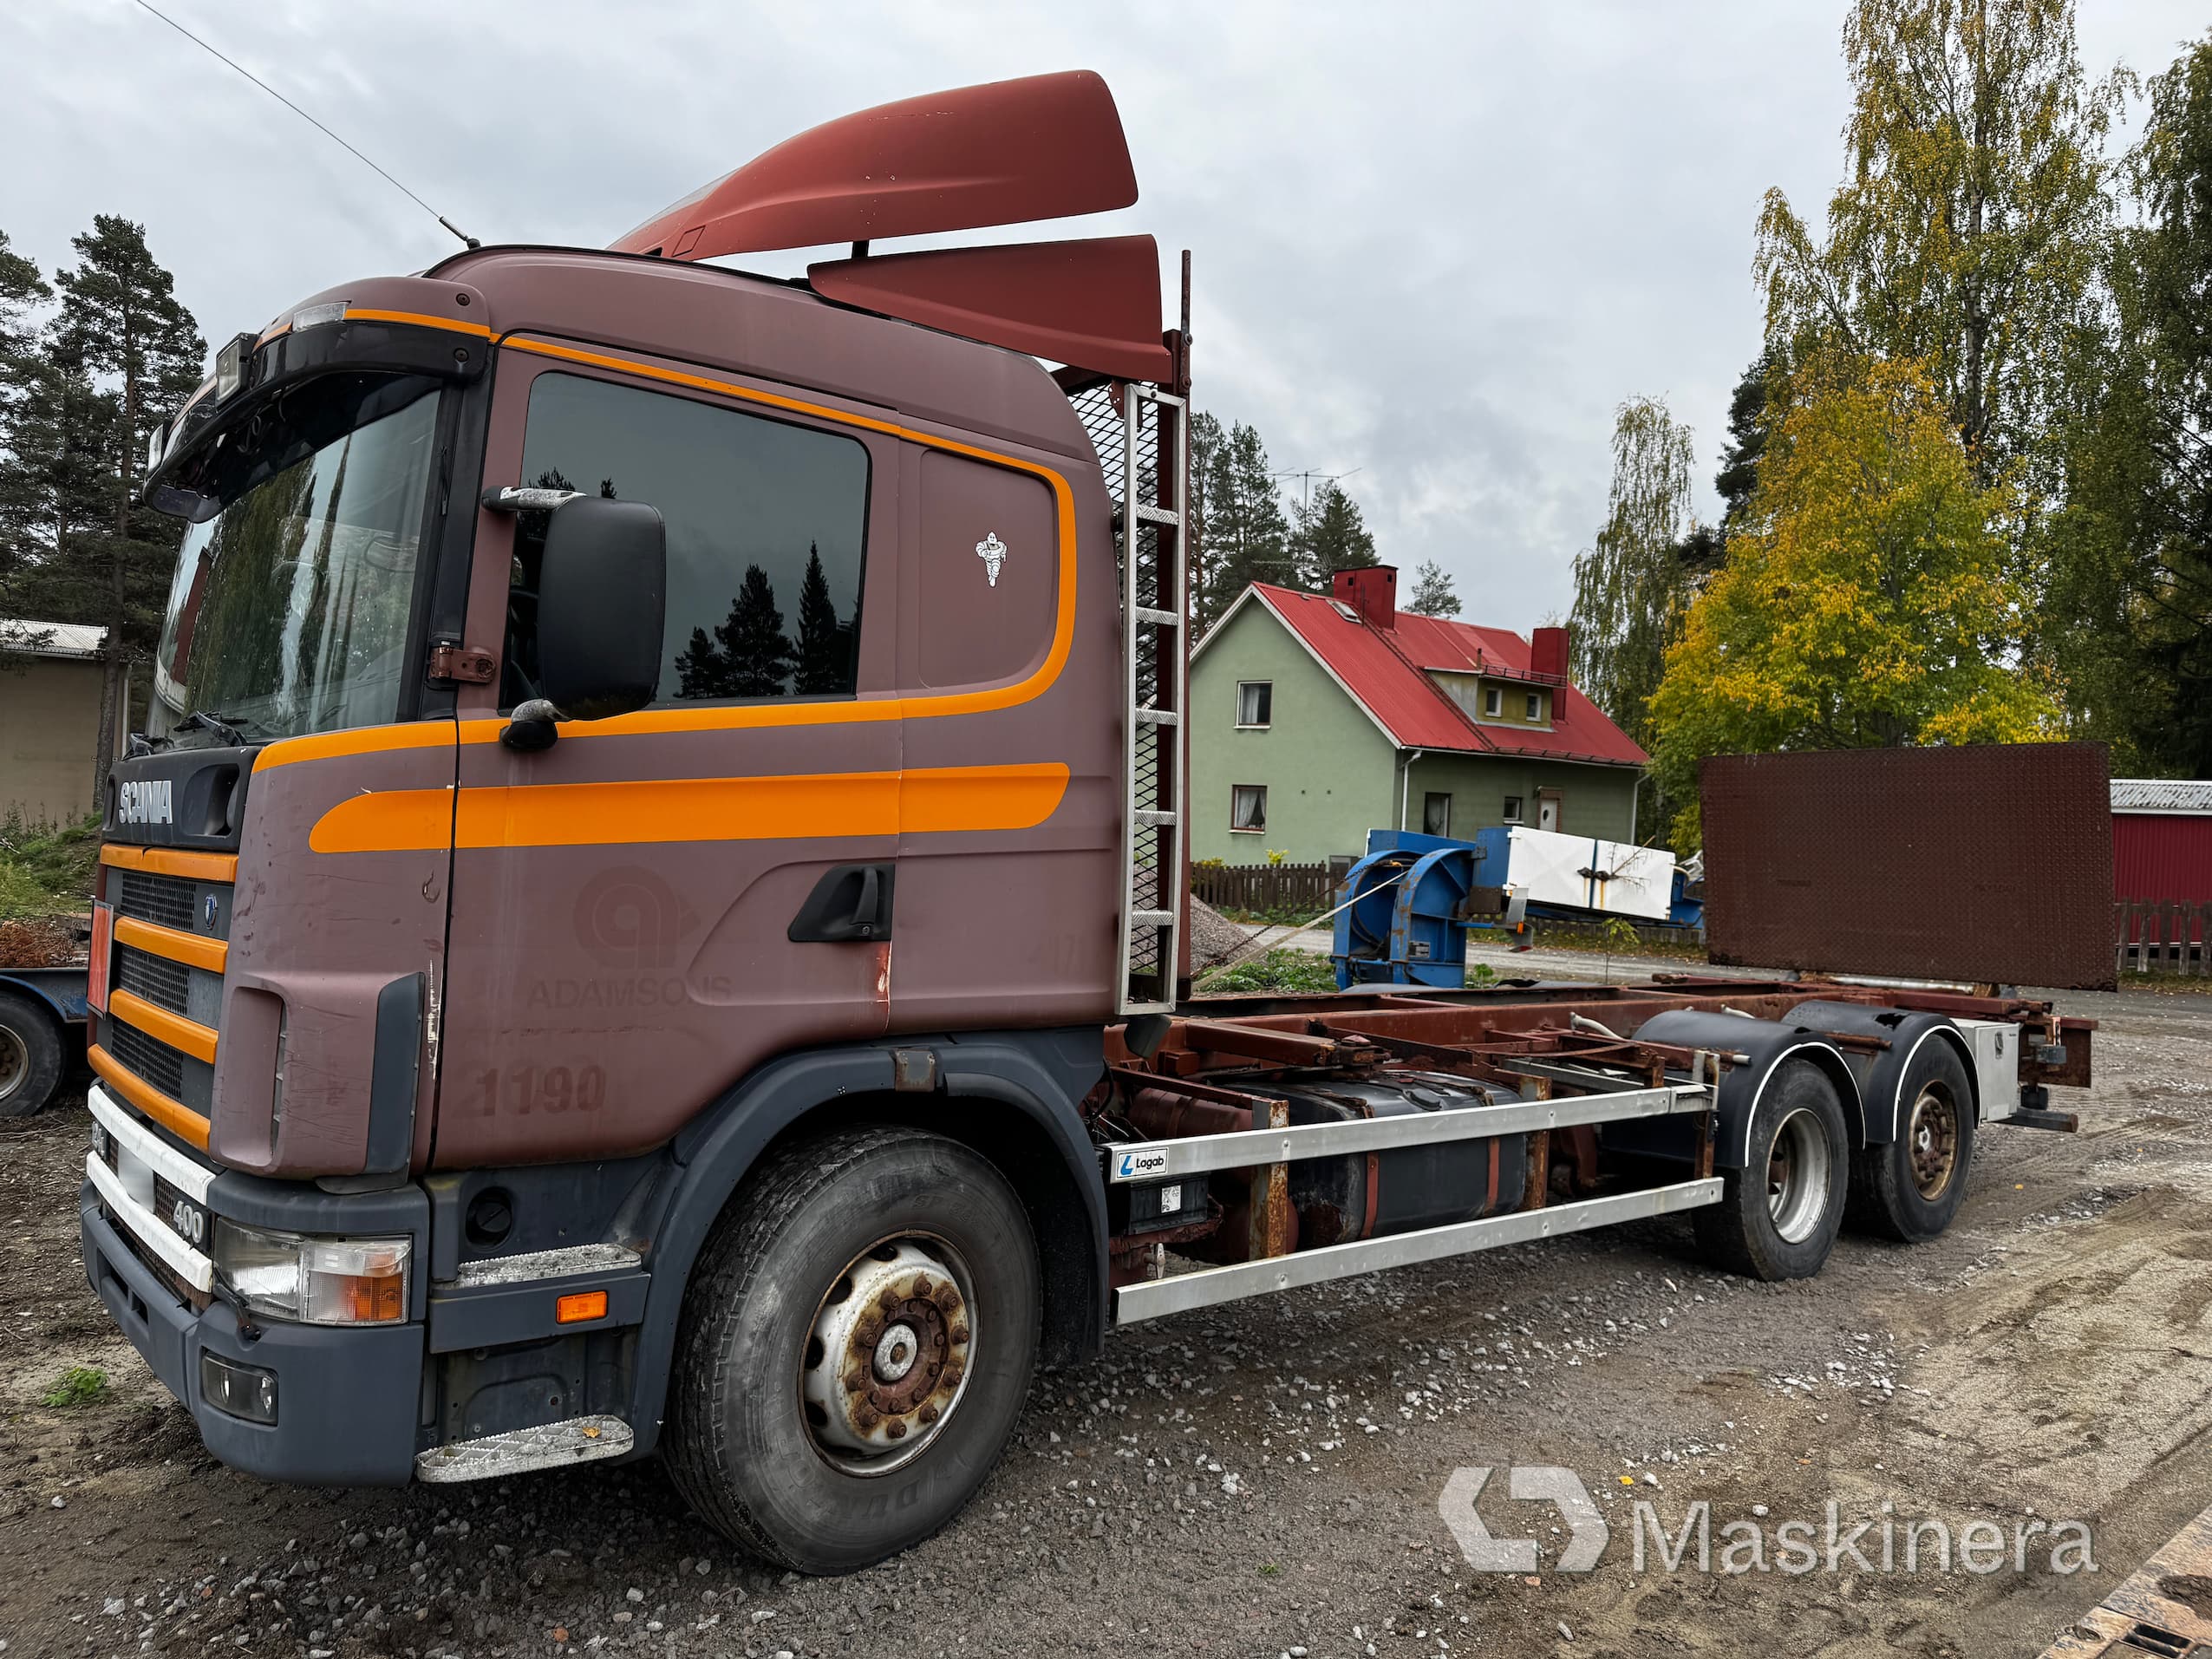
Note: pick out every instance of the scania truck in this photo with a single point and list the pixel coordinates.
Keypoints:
(646, 918)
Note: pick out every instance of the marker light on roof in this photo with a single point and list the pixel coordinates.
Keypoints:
(230, 365)
(314, 316)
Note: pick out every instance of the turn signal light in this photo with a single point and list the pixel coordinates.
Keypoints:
(575, 1308)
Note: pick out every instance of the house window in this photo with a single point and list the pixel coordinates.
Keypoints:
(1493, 702)
(1536, 705)
(1512, 813)
(1255, 702)
(1436, 814)
(1248, 809)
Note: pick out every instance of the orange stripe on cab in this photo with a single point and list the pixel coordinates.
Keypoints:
(172, 861)
(178, 1119)
(186, 1036)
(190, 948)
(802, 807)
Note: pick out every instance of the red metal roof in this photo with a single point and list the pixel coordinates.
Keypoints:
(1386, 669)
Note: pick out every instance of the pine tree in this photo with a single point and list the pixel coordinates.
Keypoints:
(750, 655)
(1433, 595)
(1329, 536)
(1248, 534)
(1747, 424)
(119, 356)
(825, 659)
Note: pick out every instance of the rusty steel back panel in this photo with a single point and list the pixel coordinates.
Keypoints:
(1990, 864)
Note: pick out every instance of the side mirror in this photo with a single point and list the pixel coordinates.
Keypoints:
(601, 602)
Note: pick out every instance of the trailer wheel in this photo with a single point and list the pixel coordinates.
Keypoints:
(30, 1056)
(1910, 1189)
(856, 1343)
(1778, 1217)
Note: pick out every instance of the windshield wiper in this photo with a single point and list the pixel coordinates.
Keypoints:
(235, 730)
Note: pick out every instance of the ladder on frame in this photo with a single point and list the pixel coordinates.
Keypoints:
(1151, 497)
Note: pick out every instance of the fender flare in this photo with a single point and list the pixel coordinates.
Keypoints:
(1768, 1043)
(1025, 1073)
(1882, 1076)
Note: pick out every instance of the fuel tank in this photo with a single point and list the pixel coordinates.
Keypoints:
(1367, 1195)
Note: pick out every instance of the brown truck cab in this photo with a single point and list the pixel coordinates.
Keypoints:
(646, 918)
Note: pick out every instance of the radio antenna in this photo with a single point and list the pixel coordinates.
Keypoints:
(470, 241)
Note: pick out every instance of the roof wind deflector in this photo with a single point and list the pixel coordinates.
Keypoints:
(1044, 147)
(1095, 303)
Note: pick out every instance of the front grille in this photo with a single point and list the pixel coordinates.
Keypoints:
(164, 900)
(161, 982)
(151, 1058)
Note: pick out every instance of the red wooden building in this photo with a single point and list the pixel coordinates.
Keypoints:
(2162, 843)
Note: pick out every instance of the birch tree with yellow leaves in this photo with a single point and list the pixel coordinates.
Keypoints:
(1869, 600)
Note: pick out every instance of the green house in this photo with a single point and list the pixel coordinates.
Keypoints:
(1317, 717)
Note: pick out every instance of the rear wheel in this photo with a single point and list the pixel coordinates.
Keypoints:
(1777, 1217)
(30, 1056)
(856, 1345)
(1910, 1188)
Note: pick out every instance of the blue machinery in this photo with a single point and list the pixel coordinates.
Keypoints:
(1405, 908)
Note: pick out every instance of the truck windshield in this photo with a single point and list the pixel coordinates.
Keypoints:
(290, 607)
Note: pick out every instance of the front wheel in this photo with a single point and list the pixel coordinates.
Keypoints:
(856, 1344)
(1779, 1216)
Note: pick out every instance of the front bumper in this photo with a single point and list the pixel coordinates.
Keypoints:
(348, 1401)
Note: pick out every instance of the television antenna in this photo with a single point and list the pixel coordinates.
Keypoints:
(1307, 476)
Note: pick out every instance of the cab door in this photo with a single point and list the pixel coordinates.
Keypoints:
(663, 899)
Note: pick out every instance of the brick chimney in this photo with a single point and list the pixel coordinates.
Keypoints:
(1548, 651)
(1371, 591)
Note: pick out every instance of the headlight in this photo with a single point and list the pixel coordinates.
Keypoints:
(315, 1281)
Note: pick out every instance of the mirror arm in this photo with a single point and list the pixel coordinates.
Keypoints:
(532, 726)
(507, 499)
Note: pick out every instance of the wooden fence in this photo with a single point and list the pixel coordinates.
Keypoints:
(1265, 889)
(2165, 935)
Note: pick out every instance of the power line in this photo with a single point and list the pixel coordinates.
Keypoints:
(470, 241)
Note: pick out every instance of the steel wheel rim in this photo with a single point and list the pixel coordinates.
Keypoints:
(15, 1061)
(885, 1364)
(1798, 1177)
(1932, 1140)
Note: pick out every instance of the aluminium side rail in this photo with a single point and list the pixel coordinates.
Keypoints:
(1152, 1160)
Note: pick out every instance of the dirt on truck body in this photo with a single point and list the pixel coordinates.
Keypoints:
(648, 918)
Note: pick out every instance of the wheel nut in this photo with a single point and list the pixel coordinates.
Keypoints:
(928, 1412)
(856, 1382)
(947, 1299)
(869, 1329)
(959, 1332)
(898, 1429)
(921, 1285)
(887, 1301)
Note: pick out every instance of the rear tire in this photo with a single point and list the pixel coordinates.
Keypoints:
(1910, 1189)
(856, 1344)
(1778, 1217)
(30, 1056)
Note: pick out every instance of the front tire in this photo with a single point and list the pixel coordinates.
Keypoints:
(1779, 1216)
(1910, 1188)
(856, 1344)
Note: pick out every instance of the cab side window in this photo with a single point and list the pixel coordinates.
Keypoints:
(766, 532)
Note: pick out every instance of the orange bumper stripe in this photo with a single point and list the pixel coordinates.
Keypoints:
(178, 1119)
(172, 861)
(187, 948)
(805, 806)
(186, 1036)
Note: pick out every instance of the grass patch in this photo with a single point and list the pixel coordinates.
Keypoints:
(81, 1384)
(44, 871)
(1285, 970)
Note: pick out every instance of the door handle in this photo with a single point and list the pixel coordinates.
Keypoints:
(851, 903)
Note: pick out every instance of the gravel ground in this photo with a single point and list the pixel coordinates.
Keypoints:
(1265, 1479)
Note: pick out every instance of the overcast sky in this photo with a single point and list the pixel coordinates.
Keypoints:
(1438, 243)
